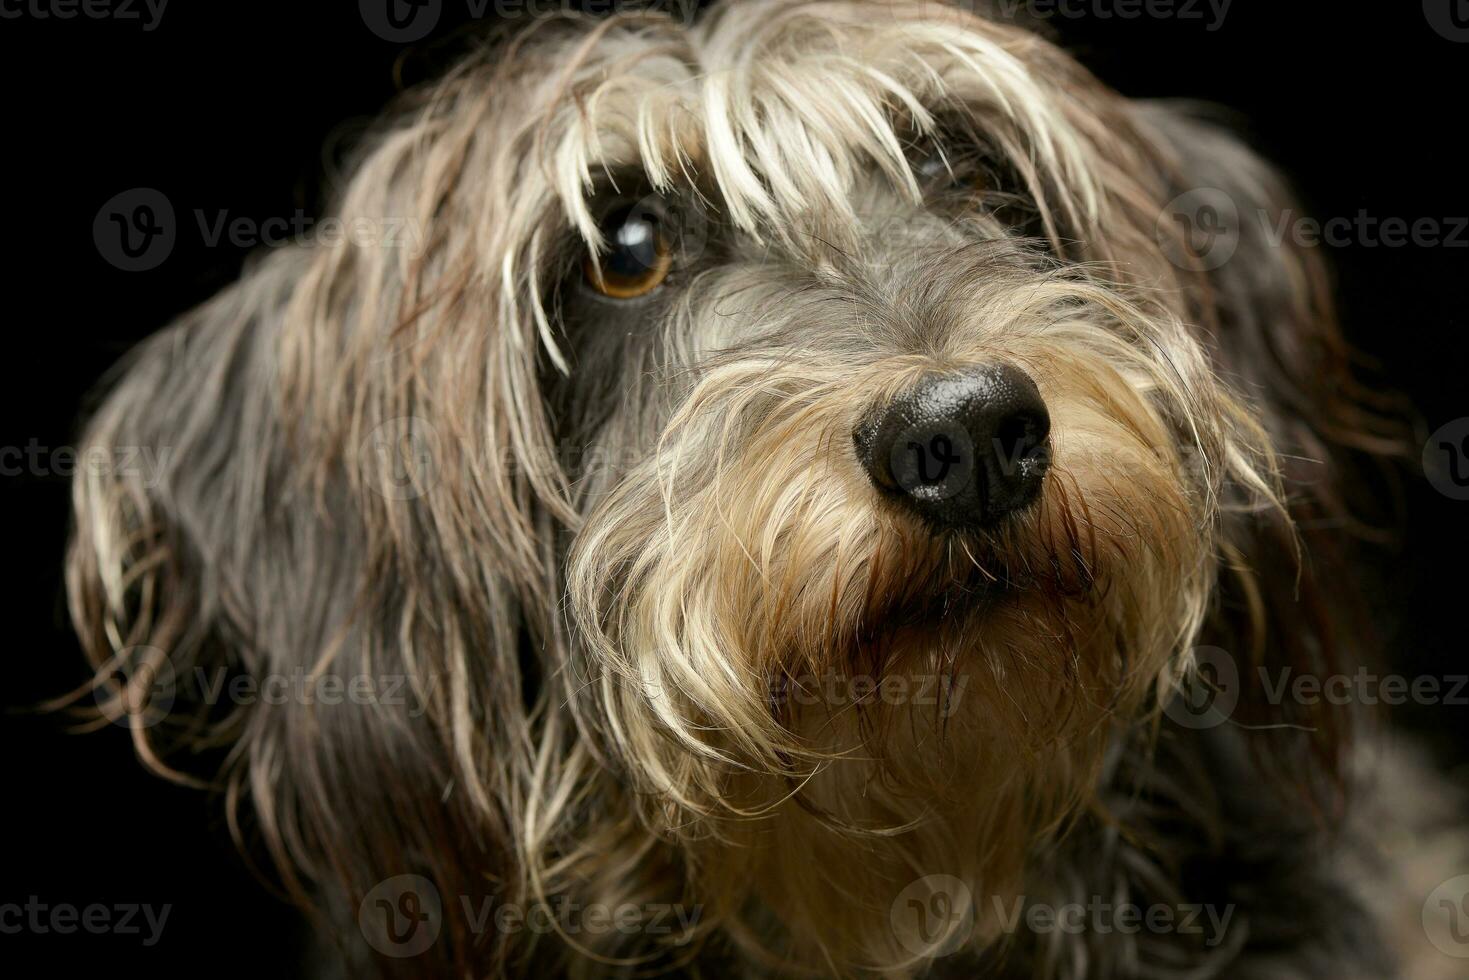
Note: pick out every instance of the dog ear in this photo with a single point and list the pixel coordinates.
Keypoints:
(290, 602)
(347, 565)
(1262, 302)
(1263, 294)
(162, 513)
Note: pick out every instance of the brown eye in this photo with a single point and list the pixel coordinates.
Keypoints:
(933, 170)
(936, 172)
(637, 258)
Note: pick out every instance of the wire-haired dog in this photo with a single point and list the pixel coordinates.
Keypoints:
(789, 484)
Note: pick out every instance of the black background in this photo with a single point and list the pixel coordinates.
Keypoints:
(226, 108)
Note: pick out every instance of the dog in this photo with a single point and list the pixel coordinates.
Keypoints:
(795, 503)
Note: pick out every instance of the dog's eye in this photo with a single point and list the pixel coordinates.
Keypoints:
(934, 171)
(971, 175)
(938, 172)
(638, 256)
(957, 169)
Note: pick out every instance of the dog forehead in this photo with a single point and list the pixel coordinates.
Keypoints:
(783, 107)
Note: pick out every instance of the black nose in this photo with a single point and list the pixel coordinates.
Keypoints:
(960, 450)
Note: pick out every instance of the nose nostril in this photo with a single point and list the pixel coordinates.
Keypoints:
(959, 450)
(1014, 436)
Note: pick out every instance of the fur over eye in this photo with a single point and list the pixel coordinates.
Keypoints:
(936, 170)
(637, 256)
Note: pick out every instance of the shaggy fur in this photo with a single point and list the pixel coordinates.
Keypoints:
(608, 544)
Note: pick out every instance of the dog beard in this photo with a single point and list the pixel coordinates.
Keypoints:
(796, 675)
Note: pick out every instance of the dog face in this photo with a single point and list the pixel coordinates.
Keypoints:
(891, 419)
(833, 340)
